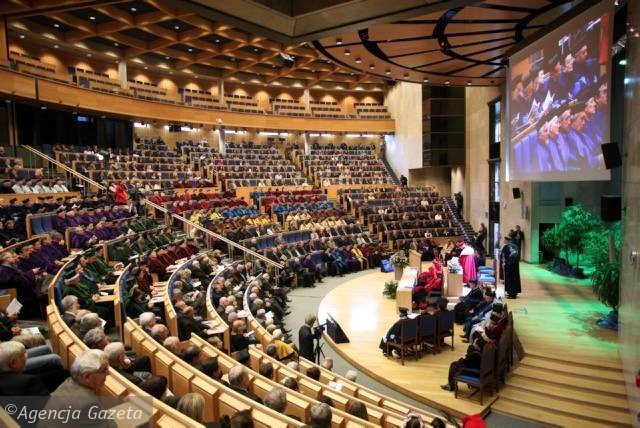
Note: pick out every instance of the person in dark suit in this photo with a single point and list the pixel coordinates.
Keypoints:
(394, 332)
(239, 382)
(306, 335)
(13, 380)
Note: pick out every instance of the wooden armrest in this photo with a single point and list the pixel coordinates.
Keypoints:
(103, 299)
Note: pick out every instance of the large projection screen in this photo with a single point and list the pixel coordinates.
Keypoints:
(558, 107)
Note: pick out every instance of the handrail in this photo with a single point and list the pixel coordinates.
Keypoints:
(218, 237)
(64, 167)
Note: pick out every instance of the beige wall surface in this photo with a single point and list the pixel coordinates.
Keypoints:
(404, 150)
(476, 189)
(438, 176)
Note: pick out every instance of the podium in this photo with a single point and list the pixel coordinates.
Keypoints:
(453, 286)
(404, 291)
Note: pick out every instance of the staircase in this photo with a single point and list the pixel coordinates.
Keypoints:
(467, 229)
(566, 391)
(394, 178)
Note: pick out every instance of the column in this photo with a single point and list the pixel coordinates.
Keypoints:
(122, 73)
(221, 92)
(306, 99)
(4, 43)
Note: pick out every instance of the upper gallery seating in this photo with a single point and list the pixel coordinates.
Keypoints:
(371, 111)
(345, 164)
(327, 109)
(243, 103)
(31, 65)
(287, 107)
(100, 82)
(199, 98)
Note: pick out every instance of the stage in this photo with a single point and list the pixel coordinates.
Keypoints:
(553, 316)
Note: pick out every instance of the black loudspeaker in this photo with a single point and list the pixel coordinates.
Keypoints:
(335, 332)
(611, 153)
(610, 207)
(568, 202)
(516, 192)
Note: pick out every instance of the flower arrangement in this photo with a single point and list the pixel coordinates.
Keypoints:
(390, 289)
(454, 265)
(399, 260)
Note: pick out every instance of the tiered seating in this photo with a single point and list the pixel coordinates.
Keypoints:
(31, 65)
(371, 111)
(327, 109)
(328, 165)
(100, 82)
(199, 98)
(152, 92)
(264, 200)
(248, 164)
(243, 104)
(287, 107)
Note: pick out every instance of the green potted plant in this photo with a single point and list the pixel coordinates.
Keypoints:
(390, 289)
(399, 261)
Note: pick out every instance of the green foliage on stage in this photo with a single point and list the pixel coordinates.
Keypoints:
(390, 289)
(569, 235)
(603, 249)
(580, 232)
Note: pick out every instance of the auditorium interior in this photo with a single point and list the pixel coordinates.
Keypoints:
(327, 213)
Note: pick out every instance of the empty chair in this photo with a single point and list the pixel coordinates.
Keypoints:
(36, 225)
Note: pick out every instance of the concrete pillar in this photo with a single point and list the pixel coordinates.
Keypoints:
(307, 143)
(220, 135)
(306, 99)
(122, 74)
(221, 91)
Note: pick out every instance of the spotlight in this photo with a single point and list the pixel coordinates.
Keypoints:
(372, 66)
(56, 25)
(347, 52)
(446, 82)
(358, 60)
(93, 18)
(387, 72)
(338, 41)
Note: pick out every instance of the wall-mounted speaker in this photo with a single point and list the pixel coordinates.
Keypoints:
(516, 193)
(568, 202)
(611, 154)
(610, 207)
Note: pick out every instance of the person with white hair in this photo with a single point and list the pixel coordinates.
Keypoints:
(95, 338)
(88, 322)
(13, 379)
(88, 374)
(147, 320)
(276, 399)
(328, 363)
(293, 365)
(320, 416)
(119, 361)
(284, 351)
(239, 382)
(172, 343)
(351, 375)
(69, 307)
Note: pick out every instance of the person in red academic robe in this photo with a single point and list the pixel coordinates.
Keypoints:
(468, 263)
(120, 194)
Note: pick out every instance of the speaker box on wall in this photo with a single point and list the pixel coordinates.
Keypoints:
(516, 192)
(568, 202)
(611, 153)
(610, 207)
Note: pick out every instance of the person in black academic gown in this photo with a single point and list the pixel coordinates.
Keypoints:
(394, 332)
(306, 335)
(510, 259)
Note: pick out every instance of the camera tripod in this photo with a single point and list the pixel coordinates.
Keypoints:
(318, 352)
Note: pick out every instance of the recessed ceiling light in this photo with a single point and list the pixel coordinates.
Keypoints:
(217, 40)
(167, 57)
(117, 61)
(387, 72)
(133, 9)
(93, 18)
(372, 66)
(347, 52)
(338, 41)
(56, 25)
(43, 107)
(233, 59)
(146, 68)
(89, 54)
(446, 82)
(255, 49)
(171, 72)
(176, 27)
(350, 74)
(469, 83)
(22, 36)
(358, 60)
(56, 46)
(196, 77)
(116, 44)
(190, 50)
(425, 80)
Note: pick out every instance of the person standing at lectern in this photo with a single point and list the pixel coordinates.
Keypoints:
(306, 335)
(510, 260)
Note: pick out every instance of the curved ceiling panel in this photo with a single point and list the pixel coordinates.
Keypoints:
(463, 45)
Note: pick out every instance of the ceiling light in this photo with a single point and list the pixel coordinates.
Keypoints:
(372, 66)
(387, 72)
(56, 46)
(167, 57)
(176, 27)
(93, 18)
(234, 60)
(22, 36)
(255, 49)
(446, 82)
(43, 107)
(469, 83)
(217, 40)
(347, 52)
(190, 50)
(338, 41)
(116, 44)
(133, 9)
(358, 60)
(196, 77)
(89, 55)
(350, 74)
(56, 25)
(621, 62)
(425, 80)
(171, 72)
(146, 68)
(117, 61)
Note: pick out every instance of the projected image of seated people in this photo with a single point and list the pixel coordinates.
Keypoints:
(558, 103)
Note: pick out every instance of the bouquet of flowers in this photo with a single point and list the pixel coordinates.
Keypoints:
(399, 260)
(454, 265)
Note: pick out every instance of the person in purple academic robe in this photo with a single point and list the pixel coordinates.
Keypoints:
(81, 239)
(59, 222)
(26, 286)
